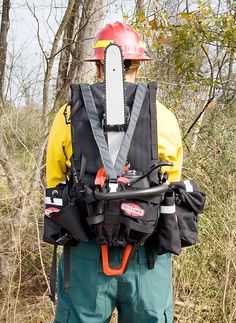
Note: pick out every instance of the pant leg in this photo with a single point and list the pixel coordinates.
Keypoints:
(141, 295)
(92, 295)
(146, 295)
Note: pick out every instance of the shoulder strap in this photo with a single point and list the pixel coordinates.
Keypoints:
(97, 130)
(76, 154)
(137, 105)
(153, 113)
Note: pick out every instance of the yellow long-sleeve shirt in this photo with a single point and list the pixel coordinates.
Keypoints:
(60, 148)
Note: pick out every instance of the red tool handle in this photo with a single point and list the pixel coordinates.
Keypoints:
(105, 261)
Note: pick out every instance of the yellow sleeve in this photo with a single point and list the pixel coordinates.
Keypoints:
(169, 142)
(59, 150)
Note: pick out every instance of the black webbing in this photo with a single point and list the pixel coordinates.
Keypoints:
(95, 219)
(66, 268)
(97, 130)
(153, 113)
(75, 158)
(75, 108)
(130, 224)
(150, 256)
(83, 167)
(75, 146)
(53, 275)
(124, 148)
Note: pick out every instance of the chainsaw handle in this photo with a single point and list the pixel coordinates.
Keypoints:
(158, 165)
(148, 192)
(105, 261)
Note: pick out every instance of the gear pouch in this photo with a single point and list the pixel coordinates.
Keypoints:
(51, 231)
(188, 223)
(53, 204)
(62, 224)
(189, 201)
(166, 237)
(69, 220)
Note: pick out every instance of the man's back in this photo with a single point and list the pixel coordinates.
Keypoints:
(59, 148)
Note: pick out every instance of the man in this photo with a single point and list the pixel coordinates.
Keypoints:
(140, 294)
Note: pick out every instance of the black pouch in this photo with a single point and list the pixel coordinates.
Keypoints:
(62, 224)
(188, 226)
(166, 237)
(69, 220)
(190, 202)
(103, 219)
(53, 204)
(122, 221)
(140, 218)
(51, 231)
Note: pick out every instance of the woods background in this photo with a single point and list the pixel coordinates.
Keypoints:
(194, 46)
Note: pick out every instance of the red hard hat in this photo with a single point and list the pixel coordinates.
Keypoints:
(123, 35)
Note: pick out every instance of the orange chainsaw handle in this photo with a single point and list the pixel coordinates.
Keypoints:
(105, 261)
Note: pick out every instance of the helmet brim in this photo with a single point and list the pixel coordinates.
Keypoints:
(142, 57)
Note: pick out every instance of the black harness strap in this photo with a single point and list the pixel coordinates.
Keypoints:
(76, 155)
(83, 167)
(150, 256)
(53, 275)
(66, 268)
(95, 219)
(153, 113)
(75, 108)
(154, 149)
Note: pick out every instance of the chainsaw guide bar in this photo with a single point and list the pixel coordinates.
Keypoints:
(115, 120)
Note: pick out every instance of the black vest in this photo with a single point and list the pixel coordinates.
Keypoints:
(143, 151)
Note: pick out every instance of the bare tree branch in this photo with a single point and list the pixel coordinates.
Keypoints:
(50, 60)
(209, 101)
(68, 40)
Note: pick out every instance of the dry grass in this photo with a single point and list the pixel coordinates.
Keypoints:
(204, 276)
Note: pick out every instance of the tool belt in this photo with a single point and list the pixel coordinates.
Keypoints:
(126, 217)
(167, 214)
(164, 218)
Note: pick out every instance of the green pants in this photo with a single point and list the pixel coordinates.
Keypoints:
(140, 295)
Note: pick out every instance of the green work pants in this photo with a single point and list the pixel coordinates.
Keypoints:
(140, 295)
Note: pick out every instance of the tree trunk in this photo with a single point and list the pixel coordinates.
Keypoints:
(50, 60)
(91, 21)
(4, 160)
(67, 45)
(5, 23)
(84, 71)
